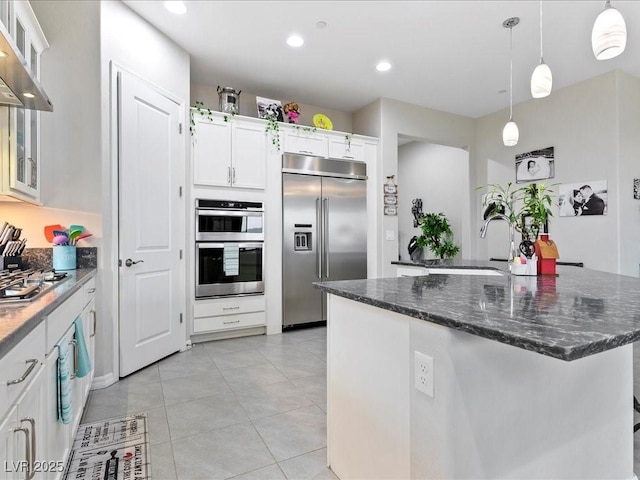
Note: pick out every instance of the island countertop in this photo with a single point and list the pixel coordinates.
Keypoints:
(18, 319)
(575, 314)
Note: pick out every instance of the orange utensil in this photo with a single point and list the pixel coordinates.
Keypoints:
(48, 231)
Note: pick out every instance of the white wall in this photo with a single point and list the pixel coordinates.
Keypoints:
(133, 44)
(629, 168)
(581, 122)
(439, 175)
(387, 119)
(342, 121)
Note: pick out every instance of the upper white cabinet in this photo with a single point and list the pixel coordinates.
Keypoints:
(228, 151)
(20, 127)
(346, 148)
(306, 143)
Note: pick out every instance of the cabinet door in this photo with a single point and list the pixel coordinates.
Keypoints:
(249, 156)
(211, 152)
(312, 143)
(346, 149)
(12, 464)
(32, 416)
(58, 435)
(89, 322)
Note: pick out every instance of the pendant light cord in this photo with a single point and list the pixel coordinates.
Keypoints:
(541, 55)
(510, 73)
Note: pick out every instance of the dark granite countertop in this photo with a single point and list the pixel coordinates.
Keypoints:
(18, 320)
(578, 313)
(455, 263)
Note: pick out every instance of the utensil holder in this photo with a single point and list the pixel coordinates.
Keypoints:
(64, 257)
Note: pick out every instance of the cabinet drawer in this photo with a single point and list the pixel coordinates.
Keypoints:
(312, 144)
(14, 365)
(340, 148)
(62, 317)
(242, 320)
(217, 307)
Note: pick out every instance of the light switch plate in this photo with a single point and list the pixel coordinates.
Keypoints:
(390, 235)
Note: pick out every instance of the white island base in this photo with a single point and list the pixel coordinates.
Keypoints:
(498, 411)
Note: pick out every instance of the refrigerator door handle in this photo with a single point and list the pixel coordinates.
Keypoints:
(325, 235)
(318, 237)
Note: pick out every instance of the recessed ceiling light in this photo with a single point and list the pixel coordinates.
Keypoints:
(3, 54)
(177, 7)
(383, 66)
(321, 24)
(28, 95)
(295, 41)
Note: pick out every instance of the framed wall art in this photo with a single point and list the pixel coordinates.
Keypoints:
(535, 165)
(583, 198)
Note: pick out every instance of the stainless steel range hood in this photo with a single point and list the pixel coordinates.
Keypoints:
(16, 79)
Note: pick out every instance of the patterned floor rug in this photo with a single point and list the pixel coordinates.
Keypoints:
(113, 449)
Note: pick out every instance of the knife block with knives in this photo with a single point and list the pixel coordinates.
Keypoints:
(11, 247)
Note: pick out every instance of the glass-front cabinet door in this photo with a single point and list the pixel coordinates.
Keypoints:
(23, 125)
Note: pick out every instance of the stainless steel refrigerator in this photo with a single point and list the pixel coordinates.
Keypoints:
(324, 214)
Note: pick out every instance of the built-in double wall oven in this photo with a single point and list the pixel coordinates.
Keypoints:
(229, 248)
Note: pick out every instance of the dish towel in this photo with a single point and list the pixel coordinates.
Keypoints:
(84, 362)
(64, 382)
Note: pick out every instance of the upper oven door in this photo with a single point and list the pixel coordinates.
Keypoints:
(213, 225)
(229, 268)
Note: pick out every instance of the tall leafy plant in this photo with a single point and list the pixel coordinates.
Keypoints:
(437, 235)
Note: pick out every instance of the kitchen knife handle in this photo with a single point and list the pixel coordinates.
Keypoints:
(325, 234)
(318, 237)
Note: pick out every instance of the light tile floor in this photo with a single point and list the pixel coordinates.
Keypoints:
(251, 408)
(245, 408)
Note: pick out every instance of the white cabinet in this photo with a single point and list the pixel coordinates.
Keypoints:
(346, 148)
(9, 445)
(228, 313)
(306, 143)
(21, 127)
(228, 153)
(408, 271)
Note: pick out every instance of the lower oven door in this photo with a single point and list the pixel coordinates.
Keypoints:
(229, 268)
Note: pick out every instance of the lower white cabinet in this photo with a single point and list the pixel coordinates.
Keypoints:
(228, 313)
(34, 445)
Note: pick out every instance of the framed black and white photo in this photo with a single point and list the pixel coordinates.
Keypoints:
(267, 107)
(391, 210)
(636, 188)
(535, 165)
(583, 198)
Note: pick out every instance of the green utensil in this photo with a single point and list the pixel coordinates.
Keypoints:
(73, 235)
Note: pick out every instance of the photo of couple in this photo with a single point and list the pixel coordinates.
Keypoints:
(589, 198)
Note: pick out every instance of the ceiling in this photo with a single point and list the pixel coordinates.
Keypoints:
(447, 55)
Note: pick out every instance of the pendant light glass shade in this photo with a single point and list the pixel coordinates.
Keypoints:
(609, 34)
(510, 134)
(541, 78)
(541, 81)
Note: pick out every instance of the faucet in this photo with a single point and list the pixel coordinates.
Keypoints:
(512, 233)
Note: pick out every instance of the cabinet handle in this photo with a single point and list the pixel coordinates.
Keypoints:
(306, 151)
(33, 362)
(350, 157)
(32, 460)
(233, 321)
(93, 316)
(27, 448)
(233, 175)
(231, 308)
(74, 342)
(33, 183)
(229, 175)
(91, 290)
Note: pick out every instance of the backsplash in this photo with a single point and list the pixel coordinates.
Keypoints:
(42, 258)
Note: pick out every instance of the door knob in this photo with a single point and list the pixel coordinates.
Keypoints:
(128, 262)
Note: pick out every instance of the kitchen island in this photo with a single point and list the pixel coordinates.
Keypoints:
(531, 377)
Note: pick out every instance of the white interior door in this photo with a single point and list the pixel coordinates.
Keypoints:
(151, 224)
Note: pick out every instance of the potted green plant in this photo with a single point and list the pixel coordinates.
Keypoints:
(437, 235)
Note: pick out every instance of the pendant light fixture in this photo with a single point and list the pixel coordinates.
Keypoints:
(510, 133)
(541, 79)
(609, 34)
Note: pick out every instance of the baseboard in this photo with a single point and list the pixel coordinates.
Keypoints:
(103, 382)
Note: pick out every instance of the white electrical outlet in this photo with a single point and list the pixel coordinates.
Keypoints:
(423, 372)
